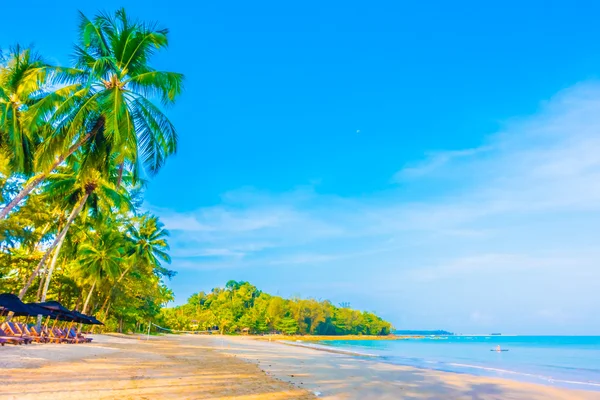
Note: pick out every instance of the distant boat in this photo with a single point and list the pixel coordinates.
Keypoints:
(495, 334)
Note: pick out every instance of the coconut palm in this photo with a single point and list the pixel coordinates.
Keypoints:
(88, 190)
(149, 241)
(108, 97)
(146, 249)
(100, 259)
(23, 77)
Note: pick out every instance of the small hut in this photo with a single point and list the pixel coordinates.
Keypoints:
(245, 331)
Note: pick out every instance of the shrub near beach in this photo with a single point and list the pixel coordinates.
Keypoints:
(241, 307)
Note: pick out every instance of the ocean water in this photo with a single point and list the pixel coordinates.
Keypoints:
(564, 361)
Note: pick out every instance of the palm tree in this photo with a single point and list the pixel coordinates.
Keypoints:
(107, 97)
(147, 249)
(100, 259)
(23, 77)
(149, 241)
(80, 189)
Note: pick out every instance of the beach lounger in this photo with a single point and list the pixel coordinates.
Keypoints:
(87, 339)
(59, 335)
(10, 339)
(32, 333)
(38, 332)
(69, 334)
(15, 329)
(45, 332)
(9, 329)
(52, 338)
(79, 336)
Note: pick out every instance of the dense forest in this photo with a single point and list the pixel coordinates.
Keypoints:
(78, 143)
(241, 306)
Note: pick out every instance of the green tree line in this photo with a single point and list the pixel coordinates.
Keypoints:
(240, 306)
(78, 143)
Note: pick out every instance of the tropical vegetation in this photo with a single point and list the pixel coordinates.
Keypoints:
(241, 307)
(77, 144)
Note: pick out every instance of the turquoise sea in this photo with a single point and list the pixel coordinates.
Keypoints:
(565, 361)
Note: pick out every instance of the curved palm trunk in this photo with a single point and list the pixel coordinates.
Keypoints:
(40, 287)
(57, 239)
(49, 274)
(51, 269)
(42, 176)
(104, 308)
(87, 301)
(89, 296)
(37, 246)
(106, 312)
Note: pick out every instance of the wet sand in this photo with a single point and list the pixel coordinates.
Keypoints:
(343, 376)
(241, 368)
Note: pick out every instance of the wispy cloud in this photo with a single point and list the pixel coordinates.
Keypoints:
(434, 161)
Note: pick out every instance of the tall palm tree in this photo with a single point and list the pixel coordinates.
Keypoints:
(149, 241)
(146, 250)
(100, 259)
(107, 97)
(90, 191)
(23, 77)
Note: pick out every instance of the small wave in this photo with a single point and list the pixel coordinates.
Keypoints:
(331, 349)
(542, 377)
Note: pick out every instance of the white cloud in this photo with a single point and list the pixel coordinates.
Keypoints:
(435, 161)
(548, 163)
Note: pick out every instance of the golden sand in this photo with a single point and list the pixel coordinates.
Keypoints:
(134, 369)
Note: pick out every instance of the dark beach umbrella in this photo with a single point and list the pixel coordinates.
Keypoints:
(58, 311)
(37, 310)
(82, 318)
(87, 319)
(68, 317)
(54, 306)
(10, 302)
(95, 321)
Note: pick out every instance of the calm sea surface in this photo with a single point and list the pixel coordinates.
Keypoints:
(566, 361)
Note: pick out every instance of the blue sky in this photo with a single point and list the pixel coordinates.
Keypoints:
(436, 163)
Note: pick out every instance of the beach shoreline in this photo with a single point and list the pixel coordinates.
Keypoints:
(545, 368)
(233, 367)
(339, 374)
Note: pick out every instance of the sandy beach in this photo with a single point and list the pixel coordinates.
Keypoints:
(204, 367)
(130, 368)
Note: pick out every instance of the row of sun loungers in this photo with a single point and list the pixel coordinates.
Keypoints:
(17, 333)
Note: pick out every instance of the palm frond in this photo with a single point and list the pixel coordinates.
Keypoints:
(163, 84)
(157, 138)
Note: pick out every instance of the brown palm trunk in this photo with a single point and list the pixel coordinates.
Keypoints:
(110, 292)
(87, 301)
(25, 191)
(39, 292)
(52, 266)
(42, 176)
(89, 296)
